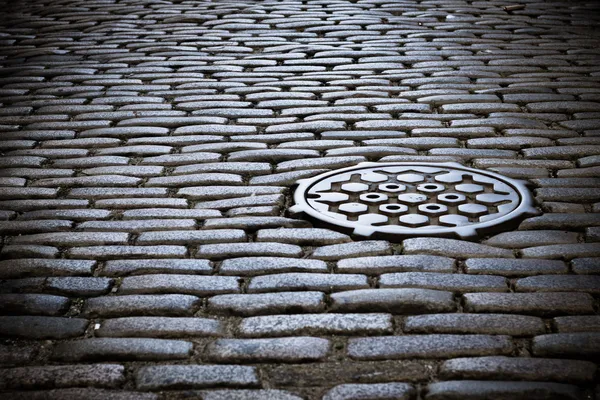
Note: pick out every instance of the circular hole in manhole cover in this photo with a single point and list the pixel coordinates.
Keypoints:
(414, 199)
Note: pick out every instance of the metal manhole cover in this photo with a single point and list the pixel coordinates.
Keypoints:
(414, 199)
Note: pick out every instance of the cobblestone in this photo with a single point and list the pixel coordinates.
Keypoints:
(102, 375)
(428, 346)
(314, 324)
(292, 350)
(121, 349)
(401, 391)
(506, 368)
(491, 324)
(470, 389)
(162, 377)
(161, 327)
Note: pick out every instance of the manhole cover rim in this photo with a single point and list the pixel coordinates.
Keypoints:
(524, 208)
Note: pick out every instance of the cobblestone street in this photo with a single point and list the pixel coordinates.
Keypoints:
(149, 155)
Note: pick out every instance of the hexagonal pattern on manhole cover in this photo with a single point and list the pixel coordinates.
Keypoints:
(414, 199)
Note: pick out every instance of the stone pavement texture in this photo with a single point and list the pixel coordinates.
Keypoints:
(149, 149)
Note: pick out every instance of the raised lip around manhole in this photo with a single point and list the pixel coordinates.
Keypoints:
(472, 231)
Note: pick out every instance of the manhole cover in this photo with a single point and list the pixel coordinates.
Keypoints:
(414, 199)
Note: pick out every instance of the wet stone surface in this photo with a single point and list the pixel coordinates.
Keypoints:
(148, 157)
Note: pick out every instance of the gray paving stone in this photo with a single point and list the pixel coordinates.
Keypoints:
(428, 346)
(490, 324)
(184, 284)
(150, 266)
(514, 267)
(563, 251)
(121, 349)
(30, 327)
(509, 368)
(584, 323)
(469, 389)
(267, 303)
(549, 283)
(302, 236)
(265, 249)
(259, 394)
(306, 281)
(112, 252)
(315, 324)
(292, 350)
(585, 265)
(160, 327)
(253, 223)
(452, 248)
(164, 377)
(449, 282)
(11, 355)
(29, 251)
(264, 265)
(401, 263)
(576, 345)
(101, 375)
(543, 304)
(68, 239)
(248, 201)
(396, 301)
(520, 239)
(561, 221)
(400, 391)
(344, 250)
(78, 286)
(33, 304)
(174, 305)
(191, 237)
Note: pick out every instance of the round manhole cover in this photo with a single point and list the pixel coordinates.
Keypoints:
(414, 199)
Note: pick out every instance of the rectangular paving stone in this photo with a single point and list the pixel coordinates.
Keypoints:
(118, 268)
(289, 350)
(543, 304)
(315, 324)
(160, 327)
(268, 249)
(428, 346)
(490, 324)
(514, 267)
(563, 283)
(191, 237)
(396, 301)
(584, 323)
(584, 345)
(471, 389)
(449, 282)
(34, 327)
(453, 248)
(33, 304)
(171, 305)
(71, 239)
(345, 250)
(170, 377)
(396, 263)
(184, 284)
(267, 303)
(60, 376)
(248, 266)
(30, 267)
(112, 252)
(306, 281)
(100, 349)
(509, 368)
